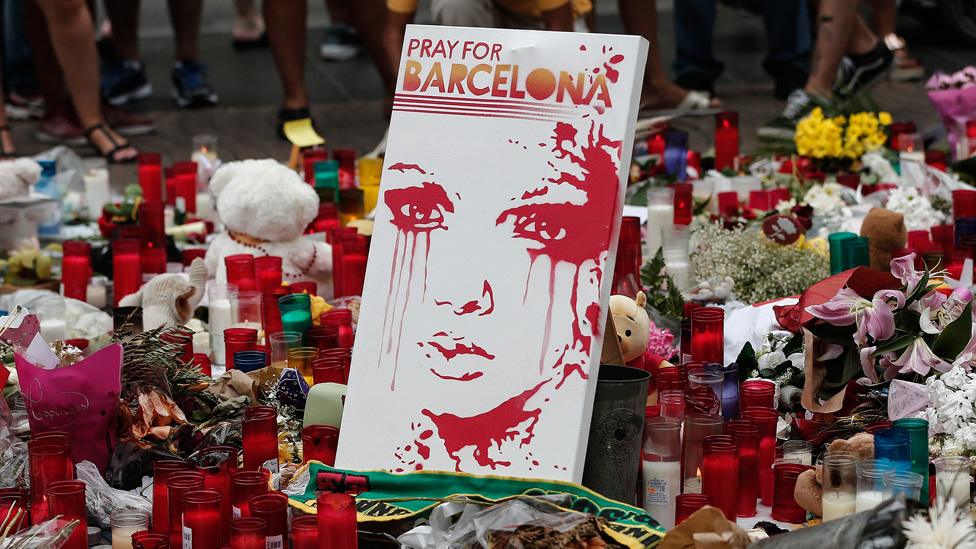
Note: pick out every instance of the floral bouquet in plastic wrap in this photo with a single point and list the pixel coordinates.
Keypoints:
(954, 98)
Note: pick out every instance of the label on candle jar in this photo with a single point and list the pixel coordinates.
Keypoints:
(658, 492)
(235, 511)
(273, 542)
(187, 536)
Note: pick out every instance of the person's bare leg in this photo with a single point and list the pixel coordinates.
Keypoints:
(640, 17)
(184, 16)
(340, 12)
(835, 23)
(50, 80)
(71, 28)
(248, 23)
(6, 141)
(367, 16)
(124, 16)
(285, 20)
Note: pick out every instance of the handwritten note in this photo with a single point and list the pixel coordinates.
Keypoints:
(905, 398)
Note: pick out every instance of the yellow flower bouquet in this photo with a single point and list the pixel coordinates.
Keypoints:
(841, 137)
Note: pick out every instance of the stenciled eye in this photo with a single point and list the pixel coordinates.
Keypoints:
(544, 223)
(419, 209)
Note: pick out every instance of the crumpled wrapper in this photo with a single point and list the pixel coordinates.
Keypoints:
(233, 384)
(102, 500)
(707, 528)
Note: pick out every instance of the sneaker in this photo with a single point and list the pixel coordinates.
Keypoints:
(19, 107)
(862, 72)
(60, 128)
(798, 105)
(340, 44)
(126, 123)
(190, 86)
(125, 82)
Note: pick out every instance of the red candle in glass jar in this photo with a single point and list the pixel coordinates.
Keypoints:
(268, 271)
(162, 469)
(150, 175)
(344, 354)
(323, 337)
(260, 438)
(728, 204)
(963, 203)
(178, 484)
(75, 269)
(202, 526)
(765, 419)
(328, 370)
(67, 498)
(353, 259)
(305, 532)
(126, 267)
(347, 167)
(144, 539)
(319, 443)
(708, 334)
(243, 485)
(683, 203)
(273, 508)
(785, 508)
(337, 520)
(687, 504)
(270, 313)
(309, 158)
(757, 393)
(746, 436)
(186, 184)
(342, 319)
(240, 272)
(49, 462)
(304, 287)
(216, 463)
(13, 503)
(327, 219)
(760, 200)
(726, 139)
(247, 533)
(153, 254)
(238, 339)
(720, 473)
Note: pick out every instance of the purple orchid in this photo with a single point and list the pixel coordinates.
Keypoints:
(933, 320)
(920, 359)
(842, 309)
(875, 318)
(903, 268)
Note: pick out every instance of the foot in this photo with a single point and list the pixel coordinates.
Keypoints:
(190, 86)
(127, 123)
(667, 95)
(907, 68)
(7, 150)
(125, 82)
(340, 44)
(861, 72)
(249, 32)
(798, 105)
(110, 145)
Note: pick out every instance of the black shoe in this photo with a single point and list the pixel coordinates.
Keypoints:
(693, 80)
(288, 115)
(862, 72)
(124, 82)
(798, 105)
(788, 79)
(190, 86)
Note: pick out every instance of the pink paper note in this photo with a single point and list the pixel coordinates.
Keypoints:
(905, 398)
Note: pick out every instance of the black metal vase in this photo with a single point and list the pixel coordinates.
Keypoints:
(616, 430)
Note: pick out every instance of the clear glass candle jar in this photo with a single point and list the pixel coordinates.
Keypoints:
(903, 483)
(870, 483)
(839, 485)
(952, 480)
(247, 533)
(126, 522)
(697, 427)
(799, 449)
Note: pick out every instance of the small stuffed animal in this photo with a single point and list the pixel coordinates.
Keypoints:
(633, 326)
(265, 208)
(885, 231)
(808, 491)
(169, 299)
(17, 177)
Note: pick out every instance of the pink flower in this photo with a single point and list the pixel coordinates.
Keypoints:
(934, 320)
(840, 310)
(875, 318)
(903, 268)
(967, 357)
(920, 359)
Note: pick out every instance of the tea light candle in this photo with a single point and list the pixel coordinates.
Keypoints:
(96, 191)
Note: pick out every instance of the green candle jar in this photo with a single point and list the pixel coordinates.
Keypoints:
(296, 313)
(918, 442)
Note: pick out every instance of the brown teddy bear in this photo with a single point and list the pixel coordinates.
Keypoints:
(885, 231)
(809, 492)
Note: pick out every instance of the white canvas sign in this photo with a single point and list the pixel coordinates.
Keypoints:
(489, 272)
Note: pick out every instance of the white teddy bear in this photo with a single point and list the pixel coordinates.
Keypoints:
(265, 208)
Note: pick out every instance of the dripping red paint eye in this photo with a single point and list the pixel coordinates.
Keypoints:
(419, 209)
(544, 223)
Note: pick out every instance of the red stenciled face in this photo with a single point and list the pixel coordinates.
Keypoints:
(492, 298)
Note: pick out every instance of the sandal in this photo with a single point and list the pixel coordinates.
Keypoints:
(906, 68)
(4, 153)
(111, 155)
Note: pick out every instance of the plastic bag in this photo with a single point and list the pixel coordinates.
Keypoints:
(50, 534)
(102, 499)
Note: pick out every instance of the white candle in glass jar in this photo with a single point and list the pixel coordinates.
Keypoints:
(868, 499)
(837, 504)
(660, 217)
(953, 485)
(95, 296)
(221, 318)
(54, 329)
(680, 273)
(662, 484)
(122, 536)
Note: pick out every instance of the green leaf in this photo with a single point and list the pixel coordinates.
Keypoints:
(955, 336)
(907, 320)
(894, 344)
(920, 290)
